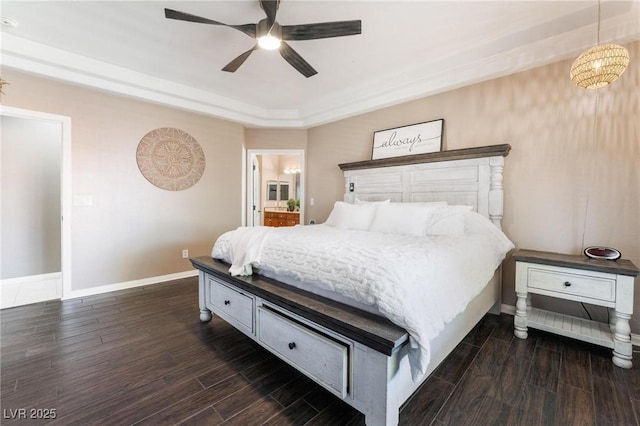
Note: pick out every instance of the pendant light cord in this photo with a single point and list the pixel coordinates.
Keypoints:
(594, 132)
(598, 39)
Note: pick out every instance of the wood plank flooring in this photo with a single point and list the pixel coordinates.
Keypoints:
(142, 357)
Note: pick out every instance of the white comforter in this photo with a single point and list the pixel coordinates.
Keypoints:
(419, 283)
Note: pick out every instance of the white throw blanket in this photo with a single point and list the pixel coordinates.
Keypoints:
(246, 249)
(419, 283)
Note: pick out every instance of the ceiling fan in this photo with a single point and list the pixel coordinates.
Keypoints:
(271, 36)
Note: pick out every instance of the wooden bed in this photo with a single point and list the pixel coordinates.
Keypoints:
(358, 356)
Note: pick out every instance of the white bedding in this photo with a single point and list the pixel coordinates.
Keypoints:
(419, 282)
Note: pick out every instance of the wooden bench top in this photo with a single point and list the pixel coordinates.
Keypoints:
(363, 327)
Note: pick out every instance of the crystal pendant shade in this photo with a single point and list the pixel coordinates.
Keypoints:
(599, 66)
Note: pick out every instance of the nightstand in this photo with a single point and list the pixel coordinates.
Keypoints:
(598, 282)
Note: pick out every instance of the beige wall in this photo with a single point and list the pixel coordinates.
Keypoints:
(562, 185)
(276, 138)
(135, 230)
(30, 197)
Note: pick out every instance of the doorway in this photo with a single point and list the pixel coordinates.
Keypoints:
(274, 177)
(36, 218)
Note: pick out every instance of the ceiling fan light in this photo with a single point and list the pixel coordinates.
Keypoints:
(269, 42)
(599, 66)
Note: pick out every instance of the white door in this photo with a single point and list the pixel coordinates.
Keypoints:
(39, 235)
(31, 242)
(257, 210)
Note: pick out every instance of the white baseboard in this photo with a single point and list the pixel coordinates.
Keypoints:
(508, 309)
(30, 279)
(30, 289)
(511, 310)
(129, 284)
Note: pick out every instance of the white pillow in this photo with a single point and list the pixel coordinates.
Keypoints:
(447, 221)
(402, 218)
(352, 216)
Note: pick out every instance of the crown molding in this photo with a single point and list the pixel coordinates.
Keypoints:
(37, 58)
(50, 62)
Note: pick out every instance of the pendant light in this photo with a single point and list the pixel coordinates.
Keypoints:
(599, 66)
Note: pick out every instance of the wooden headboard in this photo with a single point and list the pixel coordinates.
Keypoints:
(471, 176)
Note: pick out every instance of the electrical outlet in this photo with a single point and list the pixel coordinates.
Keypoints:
(185, 253)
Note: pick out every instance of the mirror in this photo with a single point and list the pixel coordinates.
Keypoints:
(277, 191)
(284, 191)
(272, 190)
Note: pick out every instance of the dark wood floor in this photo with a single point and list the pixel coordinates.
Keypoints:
(141, 356)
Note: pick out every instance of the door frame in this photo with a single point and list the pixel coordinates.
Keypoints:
(248, 179)
(65, 184)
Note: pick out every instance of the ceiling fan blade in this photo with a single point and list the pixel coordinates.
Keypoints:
(248, 29)
(321, 30)
(270, 8)
(235, 64)
(296, 60)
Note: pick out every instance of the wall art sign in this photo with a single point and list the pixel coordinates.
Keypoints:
(170, 159)
(418, 138)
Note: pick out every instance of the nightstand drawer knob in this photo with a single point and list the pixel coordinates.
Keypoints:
(567, 284)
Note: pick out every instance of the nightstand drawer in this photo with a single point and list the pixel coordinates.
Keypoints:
(554, 280)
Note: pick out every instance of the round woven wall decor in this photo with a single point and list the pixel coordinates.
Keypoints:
(170, 159)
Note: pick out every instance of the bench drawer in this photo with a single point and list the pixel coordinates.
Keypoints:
(232, 305)
(320, 357)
